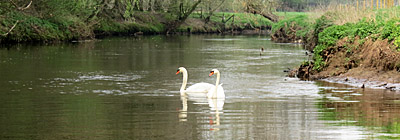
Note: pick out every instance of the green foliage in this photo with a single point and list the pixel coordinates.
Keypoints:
(319, 61)
(33, 29)
(289, 15)
(328, 38)
(397, 43)
(109, 26)
(240, 19)
(390, 29)
(50, 20)
(129, 8)
(305, 63)
(244, 18)
(299, 20)
(362, 29)
(320, 24)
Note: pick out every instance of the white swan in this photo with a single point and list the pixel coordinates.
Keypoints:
(216, 91)
(198, 88)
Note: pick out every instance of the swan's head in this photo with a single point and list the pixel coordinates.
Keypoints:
(213, 71)
(180, 70)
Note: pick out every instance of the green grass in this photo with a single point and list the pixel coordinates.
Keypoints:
(288, 15)
(385, 25)
(381, 27)
(299, 21)
(240, 19)
(33, 29)
(71, 27)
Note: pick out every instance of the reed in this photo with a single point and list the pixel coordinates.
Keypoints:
(353, 12)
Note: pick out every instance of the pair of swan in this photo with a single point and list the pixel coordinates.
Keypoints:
(211, 91)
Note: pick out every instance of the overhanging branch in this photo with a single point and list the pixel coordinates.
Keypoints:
(15, 24)
(21, 8)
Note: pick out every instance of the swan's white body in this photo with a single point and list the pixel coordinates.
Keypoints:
(216, 104)
(216, 92)
(198, 89)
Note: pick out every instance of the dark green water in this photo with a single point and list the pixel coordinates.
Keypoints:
(126, 88)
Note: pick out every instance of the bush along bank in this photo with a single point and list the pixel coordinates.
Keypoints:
(291, 30)
(368, 50)
(300, 29)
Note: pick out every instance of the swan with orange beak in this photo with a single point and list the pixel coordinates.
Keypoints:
(216, 92)
(198, 89)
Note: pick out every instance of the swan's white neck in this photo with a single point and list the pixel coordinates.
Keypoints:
(184, 81)
(216, 85)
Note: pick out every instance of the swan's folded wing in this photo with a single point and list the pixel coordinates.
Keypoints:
(199, 88)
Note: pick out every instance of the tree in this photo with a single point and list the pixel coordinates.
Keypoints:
(185, 8)
(211, 6)
(261, 7)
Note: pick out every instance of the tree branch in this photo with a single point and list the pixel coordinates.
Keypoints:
(210, 13)
(11, 28)
(174, 24)
(21, 8)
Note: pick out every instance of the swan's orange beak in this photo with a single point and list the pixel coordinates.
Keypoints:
(211, 73)
(177, 72)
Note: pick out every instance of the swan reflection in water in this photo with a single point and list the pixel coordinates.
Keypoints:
(202, 93)
(215, 106)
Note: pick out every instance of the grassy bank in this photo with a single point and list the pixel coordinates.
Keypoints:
(367, 39)
(63, 25)
(364, 30)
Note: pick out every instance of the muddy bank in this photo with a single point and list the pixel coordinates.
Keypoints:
(360, 62)
(363, 83)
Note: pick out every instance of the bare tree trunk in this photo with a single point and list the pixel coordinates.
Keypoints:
(150, 5)
(190, 11)
(175, 24)
(211, 13)
(267, 15)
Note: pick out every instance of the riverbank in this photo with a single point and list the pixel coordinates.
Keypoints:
(364, 53)
(19, 26)
(373, 64)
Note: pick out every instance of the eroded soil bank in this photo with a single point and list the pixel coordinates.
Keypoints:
(362, 63)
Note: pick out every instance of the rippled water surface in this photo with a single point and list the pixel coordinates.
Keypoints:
(126, 88)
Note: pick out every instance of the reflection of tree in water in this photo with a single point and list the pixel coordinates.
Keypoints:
(368, 107)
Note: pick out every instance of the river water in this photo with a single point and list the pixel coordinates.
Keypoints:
(126, 88)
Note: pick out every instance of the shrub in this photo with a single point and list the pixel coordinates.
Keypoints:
(300, 21)
(397, 43)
